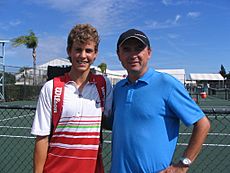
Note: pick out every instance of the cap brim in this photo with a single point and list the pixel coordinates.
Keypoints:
(132, 37)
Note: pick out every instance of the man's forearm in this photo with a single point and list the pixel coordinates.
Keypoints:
(199, 134)
(198, 137)
(40, 153)
(107, 122)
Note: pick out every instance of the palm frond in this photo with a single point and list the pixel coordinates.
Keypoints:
(30, 41)
(19, 41)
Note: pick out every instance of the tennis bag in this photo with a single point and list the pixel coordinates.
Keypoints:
(96, 166)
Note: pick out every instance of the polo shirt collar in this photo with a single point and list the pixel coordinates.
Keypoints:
(68, 80)
(145, 78)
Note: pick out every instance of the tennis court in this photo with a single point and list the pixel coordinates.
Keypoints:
(15, 139)
(17, 143)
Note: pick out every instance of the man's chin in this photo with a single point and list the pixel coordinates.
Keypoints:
(134, 71)
(82, 68)
(134, 68)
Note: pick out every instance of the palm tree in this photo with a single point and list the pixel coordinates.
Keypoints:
(103, 67)
(223, 71)
(31, 42)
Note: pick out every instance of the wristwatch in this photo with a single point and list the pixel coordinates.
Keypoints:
(185, 161)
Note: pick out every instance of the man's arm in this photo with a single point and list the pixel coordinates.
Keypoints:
(40, 153)
(107, 122)
(199, 134)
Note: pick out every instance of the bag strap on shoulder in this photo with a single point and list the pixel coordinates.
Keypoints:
(57, 99)
(58, 95)
(100, 83)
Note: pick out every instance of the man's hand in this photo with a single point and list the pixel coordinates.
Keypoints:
(176, 168)
(40, 153)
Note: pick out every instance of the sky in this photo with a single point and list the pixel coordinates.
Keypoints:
(185, 34)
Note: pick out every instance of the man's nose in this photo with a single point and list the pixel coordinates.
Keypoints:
(133, 55)
(83, 54)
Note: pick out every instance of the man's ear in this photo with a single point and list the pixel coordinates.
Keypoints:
(96, 54)
(118, 54)
(149, 53)
(68, 52)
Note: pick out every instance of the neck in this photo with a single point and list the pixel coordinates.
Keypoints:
(79, 77)
(135, 75)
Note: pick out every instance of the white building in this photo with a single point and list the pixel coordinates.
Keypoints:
(177, 73)
(214, 80)
(26, 77)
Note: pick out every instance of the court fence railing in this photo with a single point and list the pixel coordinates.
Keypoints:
(17, 143)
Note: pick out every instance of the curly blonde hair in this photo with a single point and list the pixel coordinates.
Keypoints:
(82, 33)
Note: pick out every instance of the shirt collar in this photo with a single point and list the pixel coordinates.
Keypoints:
(67, 79)
(91, 80)
(145, 78)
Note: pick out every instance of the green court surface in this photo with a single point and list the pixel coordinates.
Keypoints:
(20, 103)
(17, 143)
(211, 101)
(15, 140)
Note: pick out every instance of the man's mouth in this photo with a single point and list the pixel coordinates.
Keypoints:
(133, 62)
(82, 62)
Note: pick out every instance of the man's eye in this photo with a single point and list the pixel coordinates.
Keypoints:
(78, 50)
(140, 48)
(126, 49)
(89, 50)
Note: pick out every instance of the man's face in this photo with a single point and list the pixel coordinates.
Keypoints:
(82, 55)
(134, 56)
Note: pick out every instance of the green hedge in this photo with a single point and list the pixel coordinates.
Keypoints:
(21, 92)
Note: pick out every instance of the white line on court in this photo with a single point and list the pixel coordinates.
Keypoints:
(11, 136)
(185, 144)
(217, 134)
(212, 145)
(22, 116)
(109, 142)
(10, 127)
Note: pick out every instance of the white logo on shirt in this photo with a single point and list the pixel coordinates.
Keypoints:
(57, 97)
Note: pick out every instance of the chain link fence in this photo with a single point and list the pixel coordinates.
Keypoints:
(17, 144)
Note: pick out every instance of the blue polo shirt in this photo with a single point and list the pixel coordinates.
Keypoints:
(146, 117)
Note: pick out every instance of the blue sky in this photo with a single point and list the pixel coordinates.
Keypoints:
(189, 34)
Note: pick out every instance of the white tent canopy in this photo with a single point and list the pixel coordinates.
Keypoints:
(55, 62)
(114, 75)
(205, 77)
(177, 73)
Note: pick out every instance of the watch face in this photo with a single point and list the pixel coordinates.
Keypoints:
(186, 161)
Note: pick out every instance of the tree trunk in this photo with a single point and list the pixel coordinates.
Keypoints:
(34, 66)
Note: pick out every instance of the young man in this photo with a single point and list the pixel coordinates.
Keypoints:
(72, 146)
(147, 109)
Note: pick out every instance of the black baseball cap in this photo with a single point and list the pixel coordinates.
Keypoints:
(133, 33)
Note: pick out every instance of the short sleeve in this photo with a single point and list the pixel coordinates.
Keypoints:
(109, 97)
(183, 106)
(42, 119)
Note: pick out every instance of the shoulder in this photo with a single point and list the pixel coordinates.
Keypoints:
(108, 86)
(48, 84)
(106, 79)
(102, 82)
(166, 79)
(47, 87)
(120, 83)
(103, 79)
